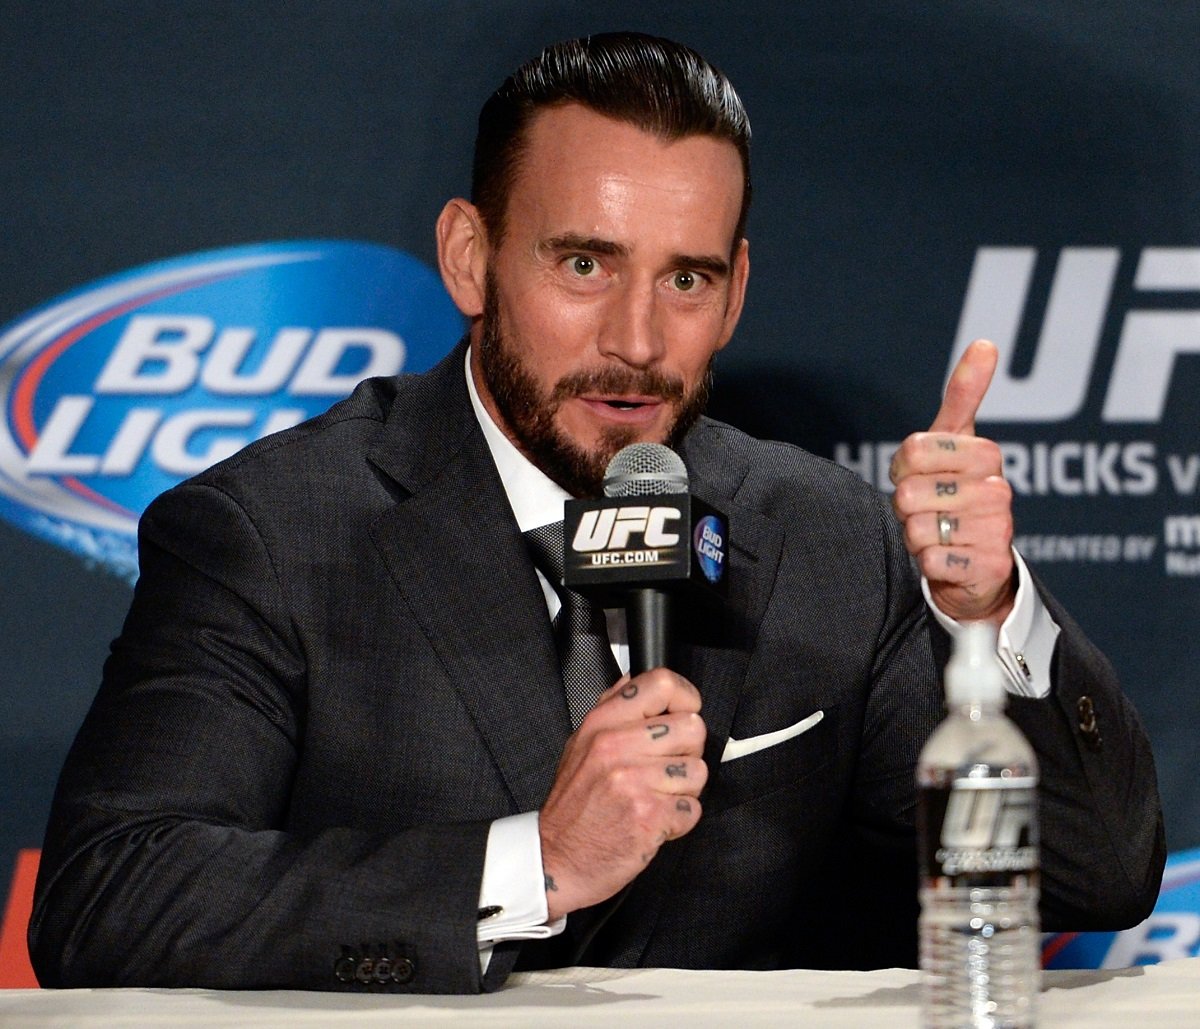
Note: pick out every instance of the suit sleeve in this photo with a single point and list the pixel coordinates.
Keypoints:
(166, 862)
(1102, 842)
(1102, 839)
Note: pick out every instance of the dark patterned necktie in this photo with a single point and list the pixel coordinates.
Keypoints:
(580, 633)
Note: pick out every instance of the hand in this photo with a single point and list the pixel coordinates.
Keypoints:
(629, 780)
(954, 502)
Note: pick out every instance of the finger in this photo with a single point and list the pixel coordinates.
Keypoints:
(685, 813)
(923, 453)
(978, 572)
(680, 775)
(934, 529)
(923, 494)
(965, 390)
(647, 742)
(678, 819)
(658, 691)
(682, 733)
(951, 529)
(623, 772)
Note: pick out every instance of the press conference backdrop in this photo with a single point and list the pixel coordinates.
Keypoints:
(217, 216)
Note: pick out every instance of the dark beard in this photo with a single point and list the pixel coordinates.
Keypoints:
(529, 414)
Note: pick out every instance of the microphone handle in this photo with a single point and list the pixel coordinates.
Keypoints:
(648, 624)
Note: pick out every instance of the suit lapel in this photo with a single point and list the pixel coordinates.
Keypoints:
(453, 550)
(716, 639)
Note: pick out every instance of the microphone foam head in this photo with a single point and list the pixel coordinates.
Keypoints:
(645, 469)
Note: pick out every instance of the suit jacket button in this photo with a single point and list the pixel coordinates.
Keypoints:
(403, 969)
(343, 969)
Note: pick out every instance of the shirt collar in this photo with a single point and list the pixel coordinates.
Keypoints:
(534, 497)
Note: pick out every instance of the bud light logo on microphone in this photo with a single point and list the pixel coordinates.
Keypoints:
(119, 390)
(708, 540)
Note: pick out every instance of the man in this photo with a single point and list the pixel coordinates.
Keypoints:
(332, 749)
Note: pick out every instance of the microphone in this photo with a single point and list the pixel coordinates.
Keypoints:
(643, 543)
(641, 470)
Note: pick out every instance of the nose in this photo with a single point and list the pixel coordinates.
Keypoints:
(631, 332)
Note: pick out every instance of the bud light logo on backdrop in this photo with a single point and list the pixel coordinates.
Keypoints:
(118, 390)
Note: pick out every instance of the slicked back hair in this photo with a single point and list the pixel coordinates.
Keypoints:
(661, 87)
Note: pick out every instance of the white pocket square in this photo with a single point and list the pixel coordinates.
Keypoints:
(740, 748)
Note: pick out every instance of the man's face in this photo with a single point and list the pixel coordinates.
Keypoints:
(613, 288)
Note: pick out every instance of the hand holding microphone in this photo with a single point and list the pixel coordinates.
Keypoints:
(631, 775)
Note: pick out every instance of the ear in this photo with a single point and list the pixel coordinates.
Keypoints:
(463, 255)
(737, 291)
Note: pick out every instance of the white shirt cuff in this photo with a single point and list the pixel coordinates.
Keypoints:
(1025, 645)
(512, 894)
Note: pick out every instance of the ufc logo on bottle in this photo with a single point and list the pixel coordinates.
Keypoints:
(983, 819)
(611, 528)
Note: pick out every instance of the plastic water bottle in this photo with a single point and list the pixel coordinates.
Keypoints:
(977, 836)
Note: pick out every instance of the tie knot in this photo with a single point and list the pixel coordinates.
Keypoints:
(546, 548)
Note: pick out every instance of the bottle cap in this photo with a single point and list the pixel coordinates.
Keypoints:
(973, 675)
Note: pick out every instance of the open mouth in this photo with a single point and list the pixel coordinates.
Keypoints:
(627, 410)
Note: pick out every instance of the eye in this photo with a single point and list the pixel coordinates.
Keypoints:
(582, 265)
(683, 281)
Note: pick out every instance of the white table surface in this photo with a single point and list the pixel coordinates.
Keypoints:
(1166, 995)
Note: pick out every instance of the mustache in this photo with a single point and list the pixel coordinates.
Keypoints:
(647, 383)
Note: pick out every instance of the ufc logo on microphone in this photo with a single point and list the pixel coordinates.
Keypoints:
(987, 818)
(610, 528)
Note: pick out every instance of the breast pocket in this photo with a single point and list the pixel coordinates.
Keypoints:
(755, 764)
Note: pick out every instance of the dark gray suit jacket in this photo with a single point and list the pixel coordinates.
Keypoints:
(337, 670)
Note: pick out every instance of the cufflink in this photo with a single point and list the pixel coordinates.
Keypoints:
(1020, 659)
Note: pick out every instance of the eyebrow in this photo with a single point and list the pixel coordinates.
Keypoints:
(713, 265)
(571, 241)
(588, 244)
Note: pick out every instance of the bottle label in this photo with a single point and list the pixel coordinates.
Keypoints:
(978, 832)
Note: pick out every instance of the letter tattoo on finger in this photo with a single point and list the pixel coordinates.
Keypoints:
(946, 444)
(678, 771)
(657, 732)
(946, 489)
(958, 560)
(684, 805)
(629, 690)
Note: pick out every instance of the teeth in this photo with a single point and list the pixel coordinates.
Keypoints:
(623, 405)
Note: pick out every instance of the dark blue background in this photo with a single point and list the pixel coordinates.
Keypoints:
(890, 142)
